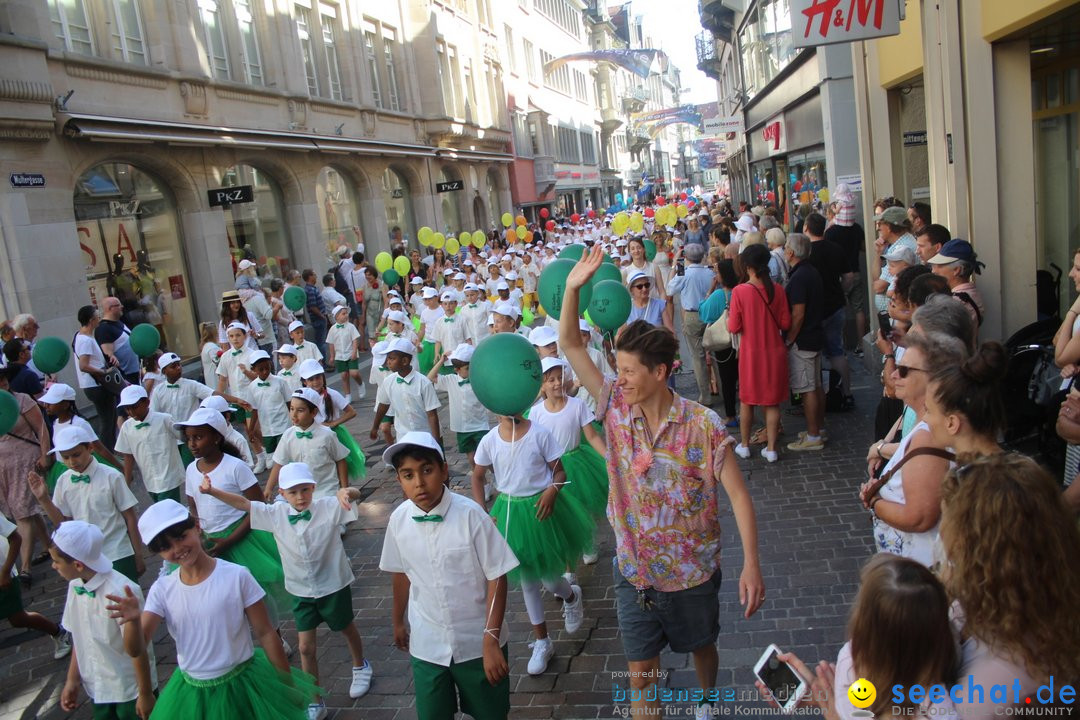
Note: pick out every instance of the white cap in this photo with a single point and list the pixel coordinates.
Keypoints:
(448, 296)
(637, 275)
(378, 352)
(584, 326)
(293, 474)
(69, 437)
(237, 326)
(160, 516)
(543, 335)
(552, 362)
(448, 271)
(131, 395)
(491, 318)
(296, 324)
(396, 300)
(82, 541)
(57, 392)
(621, 242)
(416, 437)
(256, 355)
(401, 345)
(245, 264)
(429, 292)
(393, 294)
(310, 368)
(511, 275)
(286, 349)
(342, 249)
(508, 310)
(206, 416)
(469, 287)
(502, 286)
(417, 281)
(312, 397)
(167, 359)
(463, 353)
(337, 309)
(397, 316)
(460, 276)
(216, 402)
(469, 262)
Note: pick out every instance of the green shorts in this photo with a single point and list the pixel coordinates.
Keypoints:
(173, 494)
(435, 687)
(115, 711)
(239, 415)
(126, 566)
(335, 609)
(447, 370)
(343, 365)
(11, 599)
(270, 443)
(467, 441)
(387, 419)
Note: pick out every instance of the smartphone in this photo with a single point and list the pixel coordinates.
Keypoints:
(786, 685)
(885, 323)
(680, 267)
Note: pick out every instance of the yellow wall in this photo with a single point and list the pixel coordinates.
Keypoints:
(900, 57)
(1003, 17)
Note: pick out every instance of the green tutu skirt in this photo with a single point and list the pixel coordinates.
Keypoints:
(259, 554)
(58, 468)
(356, 460)
(586, 475)
(252, 689)
(426, 359)
(545, 548)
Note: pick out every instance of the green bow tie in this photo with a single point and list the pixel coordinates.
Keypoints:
(383, 368)
(237, 352)
(302, 434)
(300, 347)
(265, 384)
(287, 373)
(449, 319)
(140, 426)
(472, 305)
(403, 381)
(339, 325)
(84, 591)
(463, 382)
(306, 515)
(174, 387)
(427, 518)
(80, 479)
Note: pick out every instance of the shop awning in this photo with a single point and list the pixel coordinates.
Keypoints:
(475, 155)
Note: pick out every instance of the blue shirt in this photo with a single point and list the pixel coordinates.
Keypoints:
(712, 308)
(652, 313)
(314, 299)
(692, 287)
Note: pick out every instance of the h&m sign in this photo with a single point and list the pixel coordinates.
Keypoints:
(824, 22)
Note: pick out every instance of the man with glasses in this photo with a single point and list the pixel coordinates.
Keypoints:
(114, 337)
(693, 285)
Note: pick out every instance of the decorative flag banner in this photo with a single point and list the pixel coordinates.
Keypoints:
(639, 62)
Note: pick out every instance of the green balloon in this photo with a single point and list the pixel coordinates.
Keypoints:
(145, 339)
(9, 409)
(610, 305)
(51, 354)
(573, 252)
(650, 249)
(294, 298)
(552, 287)
(606, 272)
(607, 259)
(505, 373)
(391, 277)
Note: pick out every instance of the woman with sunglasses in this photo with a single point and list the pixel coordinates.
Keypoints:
(643, 307)
(906, 501)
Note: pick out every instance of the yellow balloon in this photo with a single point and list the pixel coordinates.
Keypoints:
(521, 231)
(424, 235)
(620, 223)
(465, 239)
(507, 219)
(823, 195)
(453, 246)
(637, 222)
(438, 240)
(681, 210)
(479, 239)
(383, 262)
(402, 265)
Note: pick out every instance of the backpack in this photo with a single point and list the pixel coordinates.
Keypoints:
(341, 284)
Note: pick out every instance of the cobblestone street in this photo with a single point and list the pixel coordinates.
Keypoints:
(813, 537)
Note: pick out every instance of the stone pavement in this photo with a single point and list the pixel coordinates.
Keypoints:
(813, 537)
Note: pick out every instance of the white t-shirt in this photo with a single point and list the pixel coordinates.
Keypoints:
(209, 357)
(530, 275)
(75, 421)
(291, 378)
(153, 444)
(231, 475)
(428, 318)
(86, 345)
(100, 502)
(179, 399)
(229, 368)
(466, 412)
(565, 424)
(206, 650)
(239, 441)
(270, 398)
(475, 316)
(409, 401)
(342, 337)
(306, 350)
(521, 467)
(448, 332)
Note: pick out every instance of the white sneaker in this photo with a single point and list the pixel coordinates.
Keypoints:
(742, 451)
(542, 652)
(769, 455)
(260, 466)
(573, 612)
(316, 711)
(361, 680)
(589, 558)
(489, 490)
(570, 577)
(286, 647)
(361, 392)
(61, 644)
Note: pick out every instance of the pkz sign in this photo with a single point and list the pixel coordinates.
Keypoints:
(449, 186)
(824, 22)
(224, 197)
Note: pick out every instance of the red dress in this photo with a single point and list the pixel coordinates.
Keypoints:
(763, 367)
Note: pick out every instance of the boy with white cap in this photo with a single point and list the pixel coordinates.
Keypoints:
(430, 314)
(94, 493)
(508, 319)
(468, 418)
(398, 326)
(310, 442)
(269, 397)
(286, 356)
(179, 396)
(120, 686)
(234, 368)
(342, 342)
(530, 278)
(379, 372)
(149, 440)
(448, 332)
(474, 312)
(494, 278)
(455, 600)
(304, 350)
(407, 394)
(317, 570)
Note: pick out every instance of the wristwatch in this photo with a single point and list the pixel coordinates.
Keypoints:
(885, 358)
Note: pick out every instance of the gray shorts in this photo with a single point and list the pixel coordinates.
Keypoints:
(684, 619)
(804, 370)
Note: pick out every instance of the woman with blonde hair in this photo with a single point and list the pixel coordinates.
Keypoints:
(1010, 567)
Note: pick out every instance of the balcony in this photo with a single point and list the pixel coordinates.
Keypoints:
(708, 60)
(544, 171)
(718, 16)
(609, 119)
(634, 99)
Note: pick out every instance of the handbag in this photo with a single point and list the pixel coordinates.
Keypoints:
(113, 380)
(717, 336)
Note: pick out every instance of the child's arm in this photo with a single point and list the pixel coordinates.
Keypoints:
(251, 424)
(14, 544)
(271, 483)
(595, 440)
(104, 452)
(342, 473)
(433, 373)
(380, 413)
(239, 502)
(136, 540)
(129, 469)
(346, 415)
(355, 354)
(69, 696)
(233, 400)
(41, 491)
(546, 503)
(135, 647)
(478, 473)
(495, 666)
(222, 385)
(267, 636)
(401, 587)
(433, 423)
(330, 353)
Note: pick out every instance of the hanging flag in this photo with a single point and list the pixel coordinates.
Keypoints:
(639, 62)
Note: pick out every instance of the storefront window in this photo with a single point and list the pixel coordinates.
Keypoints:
(337, 212)
(126, 225)
(764, 182)
(806, 178)
(257, 230)
(397, 199)
(450, 215)
(765, 44)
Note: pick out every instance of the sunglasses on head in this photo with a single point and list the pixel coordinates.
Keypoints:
(904, 370)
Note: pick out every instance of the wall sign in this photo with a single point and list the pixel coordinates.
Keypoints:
(916, 137)
(27, 180)
(824, 22)
(224, 197)
(775, 137)
(449, 186)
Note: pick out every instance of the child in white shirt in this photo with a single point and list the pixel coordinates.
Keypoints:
(286, 356)
(407, 394)
(342, 342)
(304, 350)
(149, 440)
(310, 442)
(269, 397)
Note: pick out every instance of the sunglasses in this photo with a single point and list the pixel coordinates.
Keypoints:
(641, 286)
(904, 370)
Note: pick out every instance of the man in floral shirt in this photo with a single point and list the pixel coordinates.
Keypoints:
(667, 460)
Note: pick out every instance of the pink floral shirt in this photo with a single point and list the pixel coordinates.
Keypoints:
(664, 502)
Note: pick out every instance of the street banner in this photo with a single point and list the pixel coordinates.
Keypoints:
(639, 62)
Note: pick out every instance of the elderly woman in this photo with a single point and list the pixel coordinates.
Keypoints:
(906, 500)
(644, 307)
(778, 264)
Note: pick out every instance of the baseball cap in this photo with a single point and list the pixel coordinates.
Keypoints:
(471, 286)
(310, 368)
(463, 353)
(57, 392)
(237, 326)
(378, 352)
(511, 275)
(293, 474)
(460, 276)
(216, 402)
(502, 286)
(637, 275)
(160, 516)
(312, 397)
(131, 395)
(543, 335)
(245, 264)
(167, 359)
(508, 310)
(584, 326)
(397, 316)
(448, 296)
(286, 349)
(552, 362)
(448, 271)
(257, 355)
(82, 541)
(901, 253)
(954, 250)
(206, 416)
(342, 249)
(401, 345)
(69, 437)
(295, 325)
(417, 281)
(430, 292)
(337, 309)
(893, 215)
(416, 437)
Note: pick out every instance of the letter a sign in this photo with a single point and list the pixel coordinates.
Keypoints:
(824, 22)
